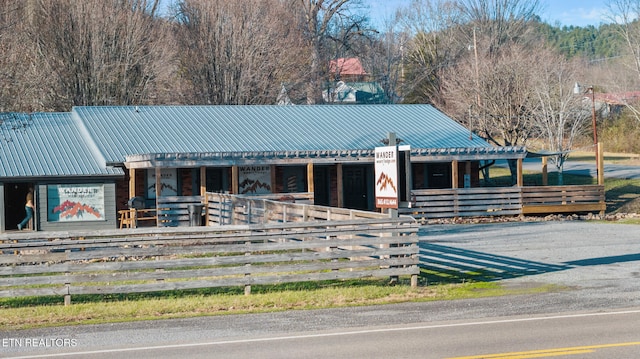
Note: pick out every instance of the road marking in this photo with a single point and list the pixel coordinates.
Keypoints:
(324, 335)
(548, 352)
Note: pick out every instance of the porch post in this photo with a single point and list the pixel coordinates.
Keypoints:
(519, 179)
(454, 174)
(310, 184)
(467, 171)
(132, 183)
(545, 176)
(235, 187)
(339, 184)
(203, 181)
(274, 179)
(600, 163)
(203, 192)
(158, 188)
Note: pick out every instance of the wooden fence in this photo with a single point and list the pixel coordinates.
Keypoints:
(465, 202)
(505, 201)
(225, 209)
(562, 199)
(160, 259)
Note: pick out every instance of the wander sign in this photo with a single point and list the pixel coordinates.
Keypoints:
(386, 177)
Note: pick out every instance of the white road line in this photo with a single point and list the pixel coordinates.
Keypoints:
(322, 335)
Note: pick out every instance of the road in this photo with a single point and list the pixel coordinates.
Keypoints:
(596, 315)
(581, 168)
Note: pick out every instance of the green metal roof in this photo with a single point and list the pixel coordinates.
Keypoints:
(46, 145)
(119, 131)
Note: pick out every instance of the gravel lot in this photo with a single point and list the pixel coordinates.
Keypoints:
(601, 261)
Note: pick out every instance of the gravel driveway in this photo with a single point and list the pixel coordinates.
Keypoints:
(600, 260)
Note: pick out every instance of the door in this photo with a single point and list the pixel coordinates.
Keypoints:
(321, 186)
(15, 196)
(355, 190)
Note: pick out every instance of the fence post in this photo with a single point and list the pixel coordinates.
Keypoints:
(284, 213)
(247, 273)
(67, 295)
(265, 220)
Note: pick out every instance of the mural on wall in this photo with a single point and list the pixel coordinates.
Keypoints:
(75, 202)
(254, 179)
(168, 182)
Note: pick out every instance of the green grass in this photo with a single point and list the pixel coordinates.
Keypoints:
(22, 313)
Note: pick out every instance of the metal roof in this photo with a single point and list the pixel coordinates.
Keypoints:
(118, 131)
(47, 145)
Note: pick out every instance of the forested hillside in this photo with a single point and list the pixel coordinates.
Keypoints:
(591, 42)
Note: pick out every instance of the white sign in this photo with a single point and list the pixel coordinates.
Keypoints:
(386, 172)
(168, 182)
(71, 202)
(254, 179)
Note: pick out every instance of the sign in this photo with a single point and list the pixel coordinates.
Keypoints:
(71, 202)
(386, 177)
(254, 179)
(168, 182)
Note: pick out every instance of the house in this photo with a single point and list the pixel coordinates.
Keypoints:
(347, 69)
(89, 163)
(349, 83)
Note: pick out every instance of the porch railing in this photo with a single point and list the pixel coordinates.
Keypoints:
(505, 201)
(223, 209)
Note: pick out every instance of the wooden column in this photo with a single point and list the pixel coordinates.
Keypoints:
(310, 184)
(409, 177)
(600, 163)
(467, 171)
(158, 188)
(203, 181)
(339, 185)
(454, 174)
(203, 193)
(235, 186)
(519, 179)
(545, 174)
(132, 183)
(274, 178)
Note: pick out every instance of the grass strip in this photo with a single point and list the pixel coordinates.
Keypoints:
(26, 313)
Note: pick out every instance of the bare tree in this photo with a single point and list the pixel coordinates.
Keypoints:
(433, 47)
(624, 15)
(97, 51)
(500, 22)
(235, 52)
(17, 60)
(318, 17)
(559, 116)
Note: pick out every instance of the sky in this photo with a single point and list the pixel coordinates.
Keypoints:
(564, 12)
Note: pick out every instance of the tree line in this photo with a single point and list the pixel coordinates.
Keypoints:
(490, 64)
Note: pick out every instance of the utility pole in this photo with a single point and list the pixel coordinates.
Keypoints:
(595, 131)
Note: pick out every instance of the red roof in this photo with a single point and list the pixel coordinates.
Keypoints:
(619, 98)
(348, 66)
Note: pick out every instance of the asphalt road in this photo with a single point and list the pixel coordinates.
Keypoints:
(596, 315)
(581, 168)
